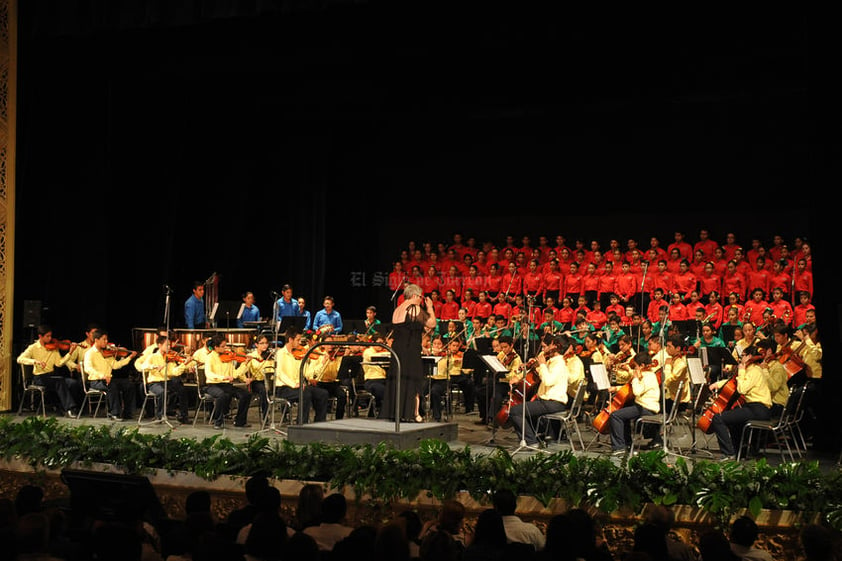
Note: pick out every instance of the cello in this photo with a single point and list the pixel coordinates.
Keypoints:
(727, 398)
(531, 381)
(623, 396)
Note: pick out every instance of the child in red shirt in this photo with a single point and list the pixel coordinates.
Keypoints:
(566, 314)
(502, 307)
(596, 316)
(573, 283)
(484, 308)
(800, 311)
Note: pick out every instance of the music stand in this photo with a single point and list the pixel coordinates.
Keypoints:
(726, 332)
(698, 379)
(430, 364)
(354, 326)
(719, 356)
(685, 327)
(603, 384)
(228, 309)
(299, 322)
(496, 368)
(483, 346)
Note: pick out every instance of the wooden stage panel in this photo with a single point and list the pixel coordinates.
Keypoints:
(357, 430)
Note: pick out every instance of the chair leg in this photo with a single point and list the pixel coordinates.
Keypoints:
(85, 400)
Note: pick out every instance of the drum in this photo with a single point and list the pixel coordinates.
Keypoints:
(243, 338)
(142, 337)
(192, 339)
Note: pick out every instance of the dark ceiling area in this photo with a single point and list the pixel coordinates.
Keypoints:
(304, 142)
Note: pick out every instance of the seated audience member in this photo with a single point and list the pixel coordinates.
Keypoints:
(332, 527)
(505, 502)
(742, 537)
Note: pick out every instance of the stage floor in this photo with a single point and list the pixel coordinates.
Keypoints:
(458, 431)
(359, 430)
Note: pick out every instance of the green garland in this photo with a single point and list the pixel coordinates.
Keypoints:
(387, 474)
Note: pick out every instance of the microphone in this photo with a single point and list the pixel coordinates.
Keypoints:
(167, 289)
(275, 294)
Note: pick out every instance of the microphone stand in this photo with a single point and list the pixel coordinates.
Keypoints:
(447, 400)
(163, 419)
(642, 311)
(523, 445)
(663, 384)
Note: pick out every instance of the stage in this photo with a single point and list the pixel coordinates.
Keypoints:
(359, 430)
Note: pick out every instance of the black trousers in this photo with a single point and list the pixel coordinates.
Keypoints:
(224, 393)
(336, 389)
(69, 390)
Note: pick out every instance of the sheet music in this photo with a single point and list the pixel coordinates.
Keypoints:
(213, 311)
(600, 376)
(697, 371)
(240, 312)
(494, 363)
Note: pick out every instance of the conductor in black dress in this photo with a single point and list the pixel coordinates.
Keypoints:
(411, 318)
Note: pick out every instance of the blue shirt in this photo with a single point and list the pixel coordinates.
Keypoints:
(194, 313)
(308, 321)
(323, 318)
(287, 309)
(249, 314)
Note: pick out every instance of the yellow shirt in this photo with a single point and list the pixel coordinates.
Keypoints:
(752, 385)
(674, 372)
(811, 354)
(259, 370)
(76, 357)
(515, 362)
(157, 368)
(623, 371)
(330, 370)
(647, 392)
(575, 374)
(372, 371)
(287, 369)
(776, 379)
(201, 356)
(553, 379)
(740, 347)
(219, 372)
(98, 367)
(36, 352)
(455, 363)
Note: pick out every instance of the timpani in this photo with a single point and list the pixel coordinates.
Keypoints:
(191, 339)
(241, 337)
(142, 337)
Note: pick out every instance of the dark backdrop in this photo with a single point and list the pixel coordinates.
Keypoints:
(274, 142)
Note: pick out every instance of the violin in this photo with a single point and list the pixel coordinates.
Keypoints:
(173, 356)
(114, 351)
(229, 356)
(791, 360)
(299, 352)
(509, 358)
(58, 345)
